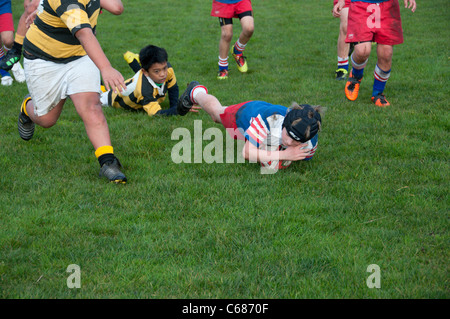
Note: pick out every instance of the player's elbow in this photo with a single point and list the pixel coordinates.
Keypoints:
(116, 9)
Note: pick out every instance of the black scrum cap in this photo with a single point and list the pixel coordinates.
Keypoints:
(307, 127)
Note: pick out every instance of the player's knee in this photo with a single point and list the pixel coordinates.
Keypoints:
(46, 121)
(47, 124)
(226, 35)
(248, 30)
(8, 43)
(7, 38)
(361, 53)
(95, 108)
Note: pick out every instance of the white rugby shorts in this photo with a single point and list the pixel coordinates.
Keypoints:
(49, 82)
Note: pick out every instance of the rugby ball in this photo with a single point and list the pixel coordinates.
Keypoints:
(276, 164)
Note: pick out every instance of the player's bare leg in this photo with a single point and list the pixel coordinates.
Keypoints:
(381, 74)
(359, 59)
(384, 55)
(247, 24)
(211, 105)
(343, 48)
(47, 120)
(90, 110)
(248, 28)
(226, 35)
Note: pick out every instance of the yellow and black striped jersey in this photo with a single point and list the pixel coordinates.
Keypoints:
(52, 35)
(141, 94)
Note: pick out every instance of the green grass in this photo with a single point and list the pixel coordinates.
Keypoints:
(376, 191)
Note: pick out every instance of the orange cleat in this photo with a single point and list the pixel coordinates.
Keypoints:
(380, 100)
(352, 87)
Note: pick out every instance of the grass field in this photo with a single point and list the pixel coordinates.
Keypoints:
(376, 191)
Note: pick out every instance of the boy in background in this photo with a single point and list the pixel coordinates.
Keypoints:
(378, 21)
(226, 10)
(343, 49)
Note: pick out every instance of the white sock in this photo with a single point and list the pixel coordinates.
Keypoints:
(196, 90)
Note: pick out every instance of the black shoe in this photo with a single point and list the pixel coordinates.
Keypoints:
(111, 170)
(11, 58)
(341, 74)
(25, 124)
(185, 103)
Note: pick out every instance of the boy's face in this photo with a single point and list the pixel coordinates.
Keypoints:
(157, 72)
(287, 141)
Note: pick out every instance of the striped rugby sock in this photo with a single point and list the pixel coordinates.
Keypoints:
(380, 79)
(223, 63)
(343, 63)
(239, 47)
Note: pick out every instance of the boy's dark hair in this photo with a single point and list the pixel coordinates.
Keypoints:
(152, 54)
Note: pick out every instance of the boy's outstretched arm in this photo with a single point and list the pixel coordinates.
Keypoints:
(292, 153)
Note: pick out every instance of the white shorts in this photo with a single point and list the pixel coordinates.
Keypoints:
(49, 82)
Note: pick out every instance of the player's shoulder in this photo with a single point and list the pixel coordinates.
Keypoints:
(170, 71)
(170, 68)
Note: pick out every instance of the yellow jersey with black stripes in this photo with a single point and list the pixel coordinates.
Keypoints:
(141, 95)
(52, 35)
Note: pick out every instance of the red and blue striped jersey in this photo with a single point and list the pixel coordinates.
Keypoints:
(262, 124)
